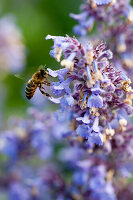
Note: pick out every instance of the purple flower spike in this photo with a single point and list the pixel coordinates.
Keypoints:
(97, 90)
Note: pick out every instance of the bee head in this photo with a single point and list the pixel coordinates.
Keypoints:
(44, 73)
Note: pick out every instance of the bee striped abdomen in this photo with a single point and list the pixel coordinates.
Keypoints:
(30, 89)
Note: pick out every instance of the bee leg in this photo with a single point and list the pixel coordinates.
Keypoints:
(46, 83)
(42, 88)
(44, 93)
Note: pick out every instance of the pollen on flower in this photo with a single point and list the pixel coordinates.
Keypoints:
(90, 80)
(127, 60)
(121, 47)
(21, 133)
(89, 151)
(126, 86)
(97, 76)
(122, 124)
(58, 53)
(129, 99)
(104, 138)
(68, 64)
(90, 83)
(83, 105)
(89, 56)
(109, 175)
(109, 133)
(93, 4)
(94, 112)
(130, 16)
(82, 99)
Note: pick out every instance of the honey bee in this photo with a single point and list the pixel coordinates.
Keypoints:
(38, 79)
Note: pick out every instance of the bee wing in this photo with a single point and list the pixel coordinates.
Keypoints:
(24, 75)
(19, 76)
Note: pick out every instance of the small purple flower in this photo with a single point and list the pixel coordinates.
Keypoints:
(60, 73)
(84, 131)
(80, 178)
(65, 102)
(95, 126)
(58, 88)
(102, 2)
(95, 101)
(78, 30)
(95, 138)
(79, 17)
(84, 119)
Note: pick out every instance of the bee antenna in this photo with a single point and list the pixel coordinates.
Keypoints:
(42, 67)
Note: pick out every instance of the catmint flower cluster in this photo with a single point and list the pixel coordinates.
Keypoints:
(20, 138)
(114, 24)
(28, 137)
(23, 142)
(104, 13)
(12, 49)
(38, 163)
(96, 96)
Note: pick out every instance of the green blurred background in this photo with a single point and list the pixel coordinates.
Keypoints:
(36, 19)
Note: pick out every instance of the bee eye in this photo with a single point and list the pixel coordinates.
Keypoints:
(43, 72)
